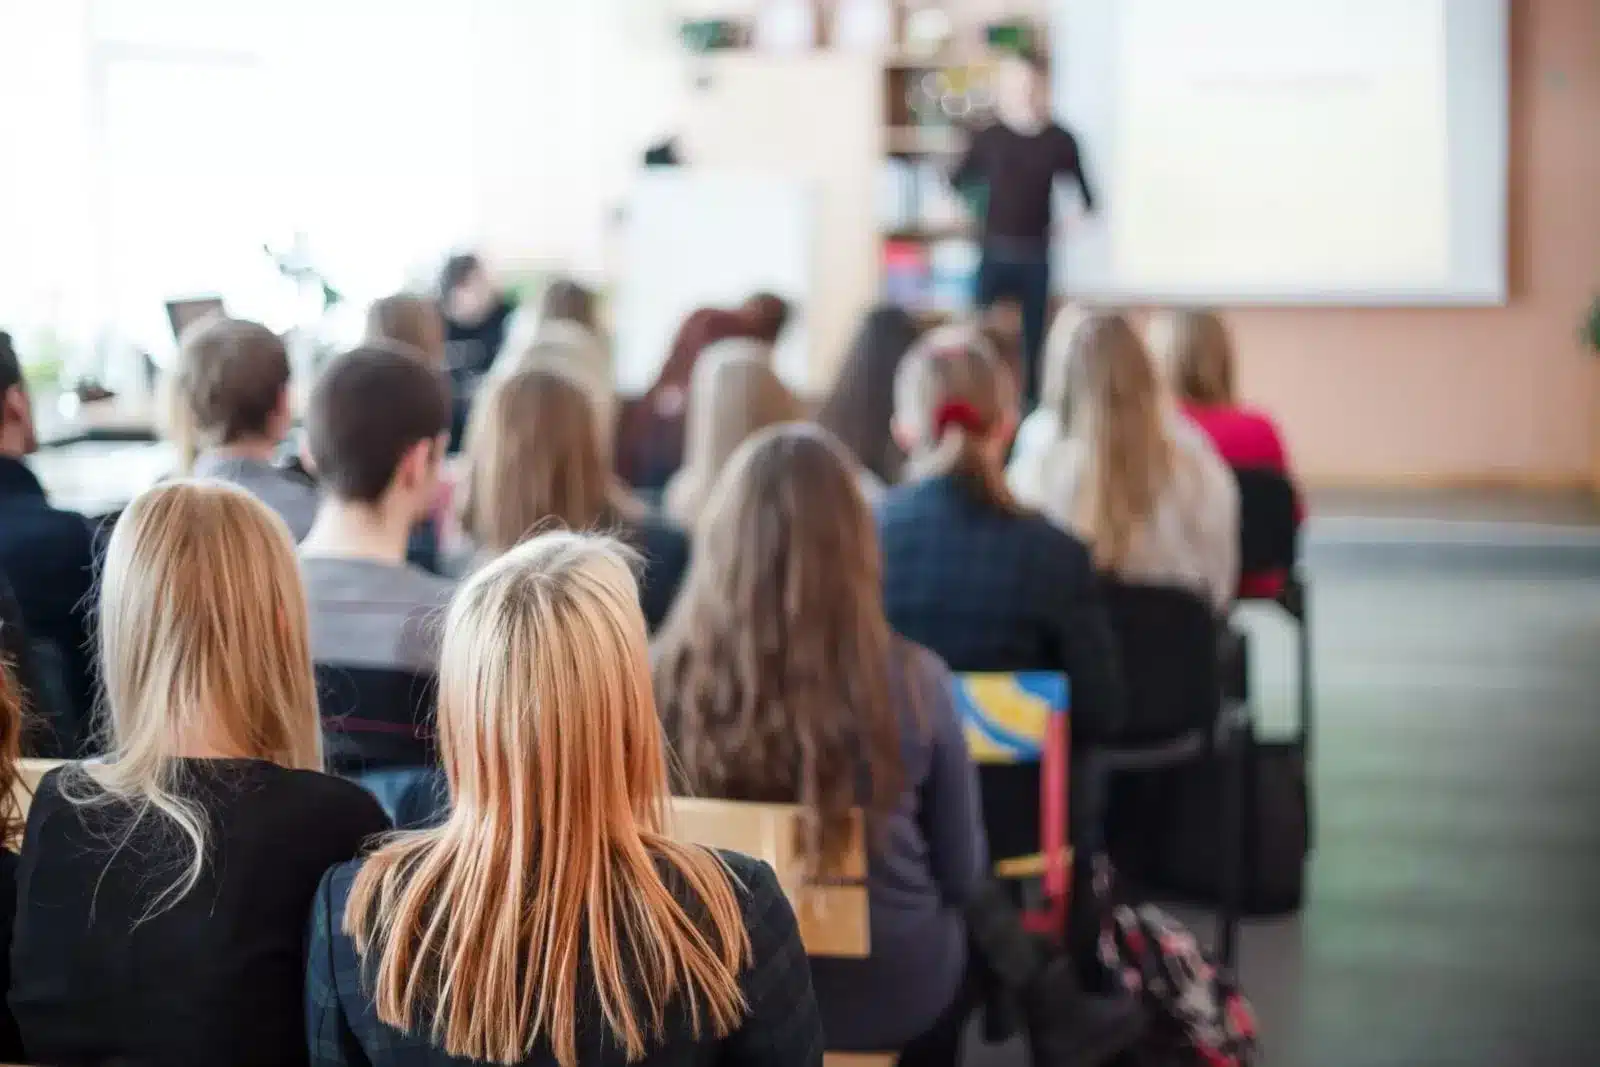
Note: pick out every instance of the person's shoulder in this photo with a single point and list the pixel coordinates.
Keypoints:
(433, 590)
(901, 502)
(335, 802)
(921, 664)
(754, 881)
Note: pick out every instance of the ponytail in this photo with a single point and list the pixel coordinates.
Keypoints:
(949, 392)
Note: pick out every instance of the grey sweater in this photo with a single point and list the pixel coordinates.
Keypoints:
(281, 491)
(926, 863)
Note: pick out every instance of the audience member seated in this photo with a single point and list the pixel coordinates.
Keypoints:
(1129, 475)
(475, 315)
(859, 408)
(46, 553)
(779, 680)
(533, 461)
(231, 414)
(582, 356)
(1194, 349)
(11, 725)
(552, 917)
(162, 892)
(408, 319)
(735, 392)
(968, 571)
(650, 432)
(375, 428)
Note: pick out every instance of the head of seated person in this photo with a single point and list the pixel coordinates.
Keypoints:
(554, 872)
(734, 393)
(568, 300)
(376, 429)
(229, 412)
(575, 351)
(18, 436)
(534, 463)
(860, 406)
(408, 319)
(1142, 487)
(208, 815)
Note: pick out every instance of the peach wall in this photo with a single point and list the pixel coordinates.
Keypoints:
(1490, 395)
(1475, 395)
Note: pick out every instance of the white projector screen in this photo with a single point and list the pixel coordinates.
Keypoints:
(1287, 151)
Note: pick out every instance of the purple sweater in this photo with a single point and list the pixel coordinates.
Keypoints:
(921, 870)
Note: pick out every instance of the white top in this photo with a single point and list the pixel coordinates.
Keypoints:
(1192, 539)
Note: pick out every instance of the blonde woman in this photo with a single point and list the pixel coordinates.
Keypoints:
(582, 355)
(162, 892)
(734, 393)
(1196, 352)
(533, 462)
(552, 917)
(1142, 486)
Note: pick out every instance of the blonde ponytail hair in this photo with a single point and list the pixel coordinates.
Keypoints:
(555, 859)
(203, 635)
(1115, 406)
(950, 393)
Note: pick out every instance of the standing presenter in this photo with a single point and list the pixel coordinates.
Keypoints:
(1018, 158)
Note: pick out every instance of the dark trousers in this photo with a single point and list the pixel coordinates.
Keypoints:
(940, 1044)
(1025, 278)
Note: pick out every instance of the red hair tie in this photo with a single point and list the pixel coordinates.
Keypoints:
(957, 413)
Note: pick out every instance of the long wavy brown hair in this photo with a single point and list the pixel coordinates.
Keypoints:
(1113, 404)
(11, 821)
(772, 672)
(1194, 349)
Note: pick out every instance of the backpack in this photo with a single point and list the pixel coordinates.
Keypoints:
(1198, 1016)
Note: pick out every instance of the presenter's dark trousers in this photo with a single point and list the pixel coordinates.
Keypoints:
(1023, 276)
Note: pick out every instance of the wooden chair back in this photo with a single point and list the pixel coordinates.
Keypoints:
(832, 916)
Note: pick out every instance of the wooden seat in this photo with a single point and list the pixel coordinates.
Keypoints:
(832, 917)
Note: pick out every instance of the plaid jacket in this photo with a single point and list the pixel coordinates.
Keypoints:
(991, 591)
(782, 1027)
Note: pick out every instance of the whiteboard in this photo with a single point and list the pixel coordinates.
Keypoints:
(710, 238)
(1287, 151)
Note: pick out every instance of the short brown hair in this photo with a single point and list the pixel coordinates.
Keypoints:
(411, 320)
(230, 378)
(369, 408)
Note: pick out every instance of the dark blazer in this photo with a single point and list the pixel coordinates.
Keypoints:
(47, 554)
(991, 591)
(781, 1029)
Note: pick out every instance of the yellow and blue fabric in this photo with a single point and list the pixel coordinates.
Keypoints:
(1022, 718)
(1007, 717)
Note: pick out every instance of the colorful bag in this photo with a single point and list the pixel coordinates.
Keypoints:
(1198, 1016)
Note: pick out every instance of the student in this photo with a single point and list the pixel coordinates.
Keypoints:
(735, 392)
(567, 300)
(232, 399)
(11, 822)
(861, 404)
(552, 916)
(1019, 158)
(162, 892)
(410, 320)
(533, 461)
(47, 554)
(375, 429)
(780, 680)
(968, 571)
(580, 355)
(1137, 482)
(1196, 352)
(475, 315)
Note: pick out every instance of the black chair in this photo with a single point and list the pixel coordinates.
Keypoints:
(1269, 543)
(376, 718)
(1177, 717)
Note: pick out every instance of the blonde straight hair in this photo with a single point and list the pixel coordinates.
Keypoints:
(555, 859)
(733, 393)
(951, 391)
(203, 635)
(1114, 404)
(1195, 351)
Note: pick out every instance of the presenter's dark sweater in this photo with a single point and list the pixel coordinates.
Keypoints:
(1021, 170)
(218, 977)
